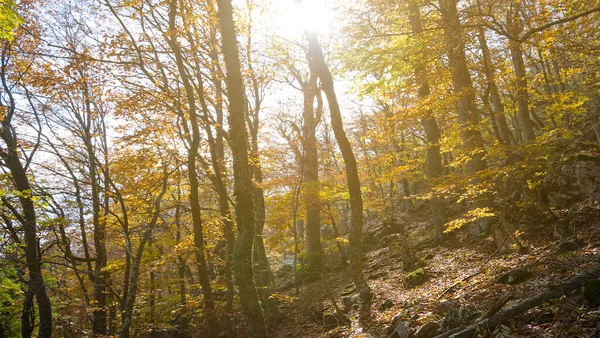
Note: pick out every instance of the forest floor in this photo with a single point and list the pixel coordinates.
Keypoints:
(462, 269)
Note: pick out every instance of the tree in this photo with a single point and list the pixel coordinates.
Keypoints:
(243, 186)
(318, 65)
(468, 115)
(27, 216)
(435, 167)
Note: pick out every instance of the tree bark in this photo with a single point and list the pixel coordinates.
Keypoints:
(243, 186)
(311, 179)
(203, 274)
(498, 115)
(317, 64)
(463, 87)
(516, 53)
(435, 167)
(10, 156)
(127, 315)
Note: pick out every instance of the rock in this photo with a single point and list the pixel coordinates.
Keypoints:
(444, 307)
(388, 303)
(427, 330)
(378, 275)
(577, 179)
(400, 331)
(515, 276)
(587, 172)
(415, 277)
(329, 321)
(395, 321)
(458, 317)
(348, 289)
(429, 256)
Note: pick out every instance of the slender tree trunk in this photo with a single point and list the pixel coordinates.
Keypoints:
(318, 65)
(463, 88)
(295, 197)
(10, 156)
(522, 96)
(181, 266)
(260, 254)
(203, 274)
(216, 149)
(127, 316)
(311, 180)
(499, 117)
(435, 167)
(516, 53)
(243, 186)
(336, 233)
(32, 256)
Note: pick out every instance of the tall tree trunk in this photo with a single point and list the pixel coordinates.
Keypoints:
(10, 156)
(311, 180)
(498, 114)
(243, 186)
(203, 274)
(468, 116)
(516, 53)
(463, 88)
(317, 64)
(522, 96)
(215, 144)
(127, 315)
(435, 167)
(99, 323)
(260, 254)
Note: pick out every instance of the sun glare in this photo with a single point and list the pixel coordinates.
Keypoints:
(291, 17)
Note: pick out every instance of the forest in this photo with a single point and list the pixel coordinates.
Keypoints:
(300, 168)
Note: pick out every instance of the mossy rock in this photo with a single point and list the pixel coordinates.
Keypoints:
(415, 277)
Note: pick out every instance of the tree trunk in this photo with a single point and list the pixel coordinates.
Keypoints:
(127, 316)
(203, 275)
(516, 53)
(243, 186)
(27, 316)
(336, 233)
(435, 167)
(463, 88)
(311, 180)
(318, 65)
(498, 115)
(10, 156)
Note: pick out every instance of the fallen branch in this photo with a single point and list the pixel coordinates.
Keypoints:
(556, 291)
(493, 309)
(497, 306)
